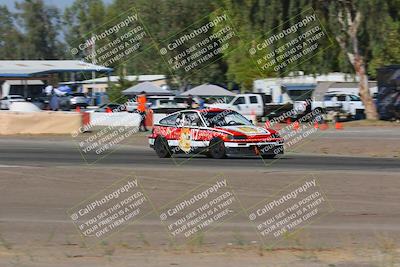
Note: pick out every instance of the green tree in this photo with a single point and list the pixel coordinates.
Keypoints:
(388, 51)
(257, 20)
(10, 37)
(81, 19)
(354, 32)
(164, 19)
(40, 25)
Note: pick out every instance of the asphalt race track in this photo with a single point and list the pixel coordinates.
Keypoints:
(41, 153)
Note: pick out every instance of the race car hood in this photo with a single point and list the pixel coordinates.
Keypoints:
(249, 130)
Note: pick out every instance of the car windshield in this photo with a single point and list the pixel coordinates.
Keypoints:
(225, 118)
(354, 98)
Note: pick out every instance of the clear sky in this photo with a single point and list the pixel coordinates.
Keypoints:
(58, 3)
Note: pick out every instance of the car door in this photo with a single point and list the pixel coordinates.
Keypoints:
(241, 106)
(2, 100)
(255, 105)
(7, 102)
(355, 103)
(344, 102)
(198, 133)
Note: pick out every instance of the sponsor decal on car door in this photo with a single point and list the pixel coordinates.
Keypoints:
(185, 140)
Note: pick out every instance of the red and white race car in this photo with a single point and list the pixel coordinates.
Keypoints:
(215, 133)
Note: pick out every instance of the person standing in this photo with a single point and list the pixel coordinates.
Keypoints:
(202, 103)
(190, 102)
(142, 100)
(54, 101)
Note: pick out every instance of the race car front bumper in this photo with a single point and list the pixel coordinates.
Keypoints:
(263, 148)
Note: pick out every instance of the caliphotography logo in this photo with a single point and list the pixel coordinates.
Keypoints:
(200, 44)
(199, 210)
(110, 211)
(106, 131)
(290, 44)
(289, 210)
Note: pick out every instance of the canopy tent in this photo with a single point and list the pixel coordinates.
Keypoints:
(147, 87)
(35, 68)
(208, 90)
(116, 79)
(48, 71)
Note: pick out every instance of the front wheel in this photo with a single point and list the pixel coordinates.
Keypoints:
(217, 149)
(161, 147)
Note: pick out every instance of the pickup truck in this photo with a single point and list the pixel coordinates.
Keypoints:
(344, 105)
(245, 104)
(258, 105)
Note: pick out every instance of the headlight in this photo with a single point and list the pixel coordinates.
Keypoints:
(237, 137)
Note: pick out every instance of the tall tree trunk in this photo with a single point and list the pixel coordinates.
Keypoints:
(370, 108)
(349, 44)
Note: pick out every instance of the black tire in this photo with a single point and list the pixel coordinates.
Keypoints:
(268, 156)
(217, 149)
(161, 147)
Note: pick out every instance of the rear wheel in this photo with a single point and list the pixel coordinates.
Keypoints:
(161, 147)
(268, 156)
(217, 149)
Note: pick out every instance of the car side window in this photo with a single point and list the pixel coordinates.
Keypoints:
(239, 101)
(192, 119)
(179, 120)
(354, 98)
(253, 100)
(341, 98)
(170, 120)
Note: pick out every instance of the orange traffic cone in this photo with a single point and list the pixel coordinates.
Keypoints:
(288, 121)
(108, 110)
(324, 126)
(78, 109)
(316, 125)
(338, 125)
(296, 125)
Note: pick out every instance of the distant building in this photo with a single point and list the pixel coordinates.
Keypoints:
(25, 88)
(100, 85)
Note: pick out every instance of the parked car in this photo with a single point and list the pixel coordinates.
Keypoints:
(42, 101)
(215, 133)
(78, 99)
(110, 107)
(6, 101)
(24, 107)
(346, 105)
(73, 100)
(158, 102)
